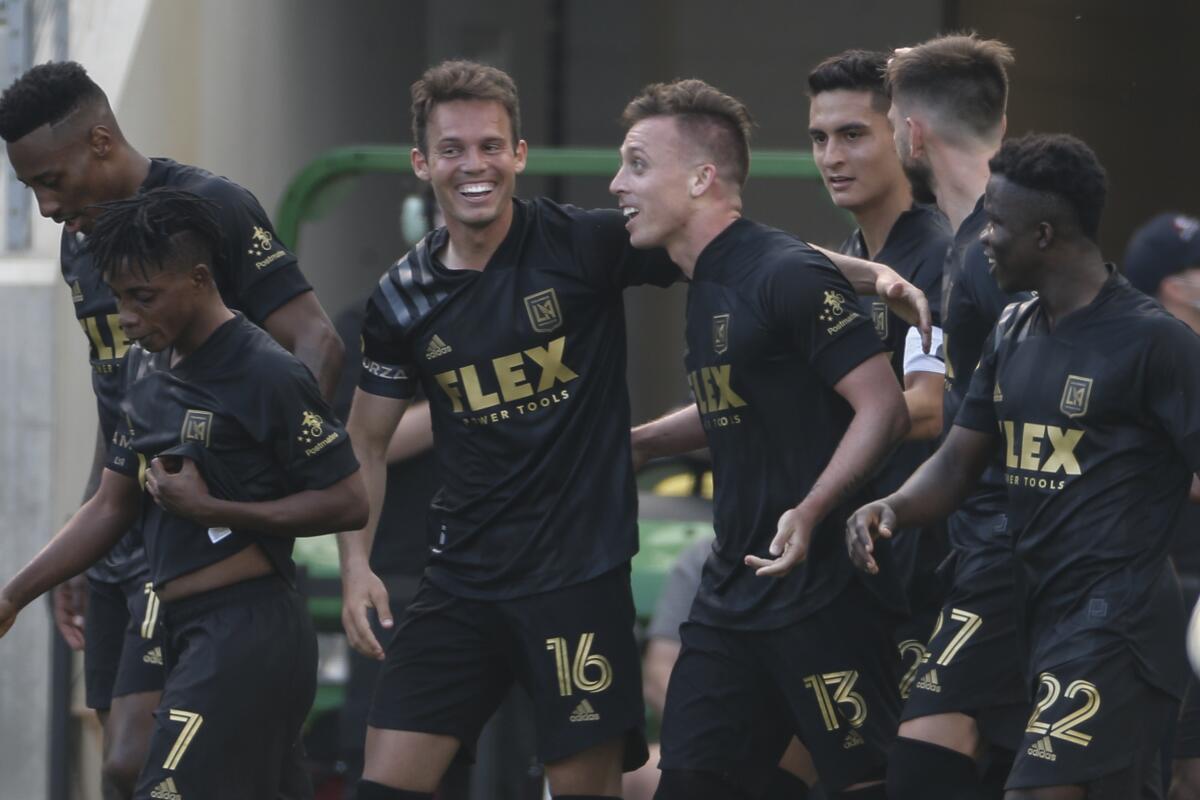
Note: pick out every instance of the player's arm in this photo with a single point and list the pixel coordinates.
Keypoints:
(413, 436)
(373, 418)
(89, 534)
(677, 432)
(880, 422)
(924, 386)
(904, 299)
(937, 488)
(303, 328)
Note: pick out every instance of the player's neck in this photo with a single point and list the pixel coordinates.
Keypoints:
(203, 325)
(877, 220)
(473, 247)
(1079, 276)
(131, 169)
(701, 228)
(959, 178)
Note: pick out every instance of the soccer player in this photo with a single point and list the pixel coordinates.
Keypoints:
(797, 404)
(967, 704)
(1091, 394)
(65, 144)
(852, 145)
(238, 454)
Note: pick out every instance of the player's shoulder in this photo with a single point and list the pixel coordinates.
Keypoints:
(200, 181)
(415, 284)
(567, 224)
(1144, 317)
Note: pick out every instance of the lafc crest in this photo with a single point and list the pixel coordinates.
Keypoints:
(1077, 393)
(720, 330)
(545, 315)
(879, 314)
(197, 427)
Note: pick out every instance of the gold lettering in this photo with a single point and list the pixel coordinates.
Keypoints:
(447, 380)
(476, 399)
(729, 398)
(1063, 457)
(549, 358)
(511, 377)
(1031, 445)
(700, 399)
(1010, 454)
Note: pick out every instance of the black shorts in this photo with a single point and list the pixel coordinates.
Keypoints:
(910, 636)
(1187, 731)
(453, 660)
(241, 676)
(737, 697)
(1094, 723)
(122, 647)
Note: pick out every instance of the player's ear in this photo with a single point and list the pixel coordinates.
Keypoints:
(916, 136)
(100, 140)
(201, 276)
(1045, 235)
(701, 179)
(521, 153)
(420, 164)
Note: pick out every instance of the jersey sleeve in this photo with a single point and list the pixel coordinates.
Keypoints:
(121, 457)
(307, 439)
(813, 305)
(978, 409)
(1173, 387)
(609, 261)
(260, 271)
(388, 366)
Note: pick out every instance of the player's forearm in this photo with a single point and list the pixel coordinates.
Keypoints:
(313, 512)
(870, 438)
(88, 535)
(924, 401)
(321, 350)
(862, 274)
(678, 432)
(354, 542)
(942, 483)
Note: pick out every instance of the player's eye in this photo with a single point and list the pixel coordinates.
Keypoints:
(818, 138)
(853, 135)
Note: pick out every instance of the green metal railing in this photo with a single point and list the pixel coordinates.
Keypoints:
(301, 201)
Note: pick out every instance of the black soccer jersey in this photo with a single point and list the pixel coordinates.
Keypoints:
(1099, 423)
(772, 326)
(523, 363)
(250, 415)
(256, 274)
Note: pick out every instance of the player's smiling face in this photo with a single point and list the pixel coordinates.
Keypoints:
(652, 184)
(64, 173)
(471, 162)
(1011, 238)
(853, 148)
(155, 307)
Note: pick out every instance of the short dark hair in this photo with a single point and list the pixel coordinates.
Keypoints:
(45, 95)
(462, 80)
(152, 228)
(718, 122)
(960, 75)
(855, 71)
(1060, 165)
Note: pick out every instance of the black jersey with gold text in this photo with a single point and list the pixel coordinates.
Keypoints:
(256, 274)
(1099, 431)
(523, 363)
(252, 418)
(772, 326)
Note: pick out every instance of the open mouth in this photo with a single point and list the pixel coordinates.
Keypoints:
(839, 181)
(477, 191)
(629, 211)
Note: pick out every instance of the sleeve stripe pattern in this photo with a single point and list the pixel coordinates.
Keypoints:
(411, 287)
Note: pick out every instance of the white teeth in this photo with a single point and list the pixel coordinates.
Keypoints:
(477, 188)
(629, 211)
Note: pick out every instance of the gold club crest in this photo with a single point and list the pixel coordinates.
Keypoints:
(197, 427)
(1075, 397)
(544, 312)
(311, 427)
(260, 241)
(880, 316)
(720, 333)
(834, 306)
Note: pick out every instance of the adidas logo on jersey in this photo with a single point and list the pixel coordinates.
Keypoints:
(166, 791)
(153, 657)
(853, 739)
(1042, 749)
(930, 682)
(436, 348)
(76, 292)
(584, 713)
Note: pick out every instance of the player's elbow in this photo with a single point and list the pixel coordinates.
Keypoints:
(355, 508)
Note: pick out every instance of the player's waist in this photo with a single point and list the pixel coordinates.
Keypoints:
(178, 612)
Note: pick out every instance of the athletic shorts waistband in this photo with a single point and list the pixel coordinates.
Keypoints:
(188, 608)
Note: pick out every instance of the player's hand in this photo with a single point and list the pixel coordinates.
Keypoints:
(70, 603)
(362, 590)
(862, 529)
(907, 302)
(181, 491)
(8, 614)
(790, 546)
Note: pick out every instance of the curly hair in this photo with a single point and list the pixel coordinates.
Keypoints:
(45, 95)
(855, 71)
(714, 120)
(1061, 165)
(152, 229)
(462, 80)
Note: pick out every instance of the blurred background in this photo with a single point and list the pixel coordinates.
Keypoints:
(258, 89)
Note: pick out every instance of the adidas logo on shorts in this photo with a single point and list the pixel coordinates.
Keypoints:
(853, 739)
(1042, 749)
(436, 348)
(166, 791)
(930, 682)
(153, 657)
(584, 713)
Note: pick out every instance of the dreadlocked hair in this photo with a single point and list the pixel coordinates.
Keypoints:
(154, 229)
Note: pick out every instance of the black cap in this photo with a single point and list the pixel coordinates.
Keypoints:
(1164, 246)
